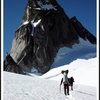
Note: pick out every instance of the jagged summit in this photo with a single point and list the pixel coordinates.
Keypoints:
(45, 28)
(36, 6)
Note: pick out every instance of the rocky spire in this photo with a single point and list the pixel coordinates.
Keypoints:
(44, 30)
(36, 6)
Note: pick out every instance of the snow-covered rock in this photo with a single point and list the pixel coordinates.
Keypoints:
(48, 38)
(85, 72)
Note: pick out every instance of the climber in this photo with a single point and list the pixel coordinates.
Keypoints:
(65, 81)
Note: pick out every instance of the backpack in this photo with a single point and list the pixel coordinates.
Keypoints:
(65, 78)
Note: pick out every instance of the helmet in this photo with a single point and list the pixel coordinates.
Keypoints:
(67, 71)
(62, 71)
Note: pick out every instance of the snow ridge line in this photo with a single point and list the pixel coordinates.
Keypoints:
(53, 76)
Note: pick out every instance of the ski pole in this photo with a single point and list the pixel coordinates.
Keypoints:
(60, 88)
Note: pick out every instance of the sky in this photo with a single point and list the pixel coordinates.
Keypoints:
(84, 10)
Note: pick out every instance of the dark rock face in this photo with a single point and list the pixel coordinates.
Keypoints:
(82, 32)
(11, 65)
(45, 28)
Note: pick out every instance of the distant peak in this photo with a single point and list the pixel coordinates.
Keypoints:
(34, 6)
(42, 1)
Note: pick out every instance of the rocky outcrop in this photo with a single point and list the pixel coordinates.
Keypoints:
(82, 32)
(11, 65)
(45, 28)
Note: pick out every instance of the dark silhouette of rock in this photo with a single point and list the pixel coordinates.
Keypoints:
(45, 28)
(11, 66)
(82, 32)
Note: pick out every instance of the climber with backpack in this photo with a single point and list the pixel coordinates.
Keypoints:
(65, 81)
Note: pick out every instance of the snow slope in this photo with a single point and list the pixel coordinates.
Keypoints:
(83, 50)
(20, 87)
(46, 87)
(80, 60)
(66, 56)
(84, 72)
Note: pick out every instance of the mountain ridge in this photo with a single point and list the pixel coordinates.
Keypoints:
(45, 29)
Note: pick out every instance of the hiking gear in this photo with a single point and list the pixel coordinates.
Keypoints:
(62, 71)
(60, 88)
(65, 79)
(67, 71)
(61, 81)
(66, 86)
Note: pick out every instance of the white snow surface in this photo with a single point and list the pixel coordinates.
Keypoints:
(80, 60)
(35, 23)
(21, 87)
(26, 22)
(46, 87)
(85, 72)
(83, 50)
